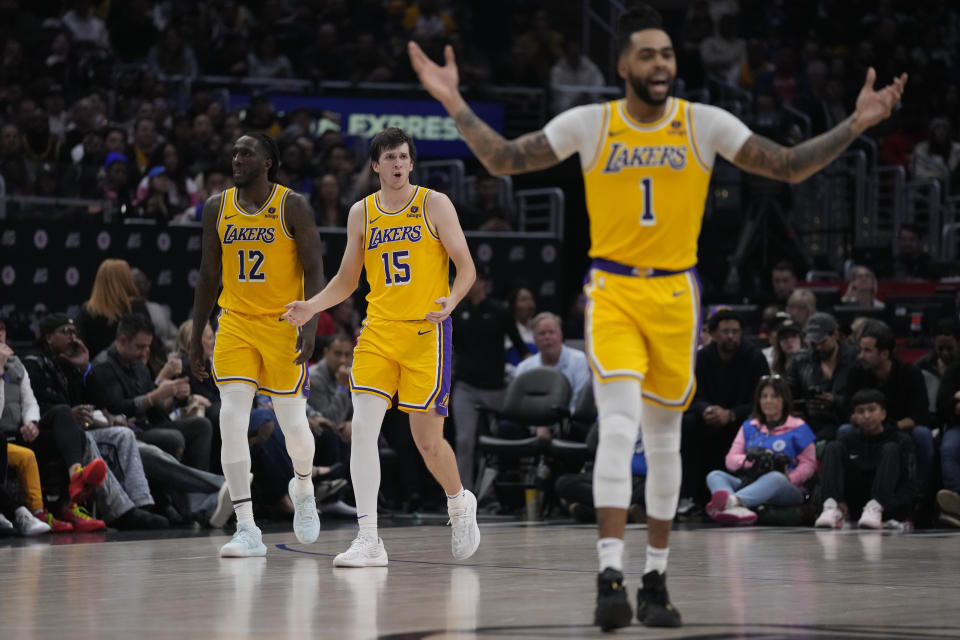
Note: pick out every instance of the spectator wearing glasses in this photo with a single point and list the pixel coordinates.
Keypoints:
(771, 458)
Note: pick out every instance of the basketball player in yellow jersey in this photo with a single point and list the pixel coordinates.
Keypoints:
(646, 162)
(260, 241)
(404, 236)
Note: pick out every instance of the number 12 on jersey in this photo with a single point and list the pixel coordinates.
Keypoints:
(395, 268)
(250, 267)
(647, 218)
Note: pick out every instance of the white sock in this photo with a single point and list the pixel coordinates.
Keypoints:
(456, 500)
(656, 560)
(244, 511)
(292, 419)
(368, 412)
(610, 551)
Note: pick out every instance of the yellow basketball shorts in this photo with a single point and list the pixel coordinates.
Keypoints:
(407, 358)
(644, 327)
(259, 350)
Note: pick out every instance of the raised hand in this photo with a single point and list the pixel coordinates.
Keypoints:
(440, 82)
(873, 105)
(298, 313)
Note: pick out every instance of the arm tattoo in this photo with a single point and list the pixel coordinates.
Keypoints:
(529, 152)
(767, 158)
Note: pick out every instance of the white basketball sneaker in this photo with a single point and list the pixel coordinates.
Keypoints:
(247, 542)
(872, 516)
(306, 520)
(466, 533)
(363, 552)
(831, 517)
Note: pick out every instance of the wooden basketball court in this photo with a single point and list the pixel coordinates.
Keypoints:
(526, 581)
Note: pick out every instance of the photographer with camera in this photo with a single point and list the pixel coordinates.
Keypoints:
(772, 456)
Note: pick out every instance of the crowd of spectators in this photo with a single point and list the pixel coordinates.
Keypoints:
(119, 104)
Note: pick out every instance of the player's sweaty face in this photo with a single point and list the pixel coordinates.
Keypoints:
(246, 160)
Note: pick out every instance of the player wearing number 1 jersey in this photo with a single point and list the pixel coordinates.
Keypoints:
(261, 243)
(646, 164)
(404, 236)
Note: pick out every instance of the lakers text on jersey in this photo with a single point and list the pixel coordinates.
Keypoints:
(261, 272)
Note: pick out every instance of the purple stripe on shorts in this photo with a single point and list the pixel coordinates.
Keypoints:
(446, 362)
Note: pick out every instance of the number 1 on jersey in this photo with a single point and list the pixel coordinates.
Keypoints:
(647, 219)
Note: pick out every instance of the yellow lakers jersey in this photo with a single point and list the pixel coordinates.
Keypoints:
(407, 266)
(261, 265)
(646, 189)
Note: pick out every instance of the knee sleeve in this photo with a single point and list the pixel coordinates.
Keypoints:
(661, 445)
(292, 416)
(618, 409)
(236, 402)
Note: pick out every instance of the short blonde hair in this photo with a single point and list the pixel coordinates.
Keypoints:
(804, 297)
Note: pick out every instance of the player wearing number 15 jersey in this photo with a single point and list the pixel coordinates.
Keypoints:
(260, 241)
(404, 236)
(646, 164)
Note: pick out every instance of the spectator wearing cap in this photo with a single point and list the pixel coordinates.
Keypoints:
(903, 387)
(818, 376)
(116, 183)
(63, 378)
(868, 470)
(480, 326)
(786, 339)
(727, 371)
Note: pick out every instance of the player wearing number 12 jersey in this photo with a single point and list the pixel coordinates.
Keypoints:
(646, 164)
(404, 236)
(261, 243)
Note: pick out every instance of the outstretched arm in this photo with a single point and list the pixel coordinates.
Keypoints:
(444, 217)
(765, 157)
(342, 284)
(299, 218)
(529, 152)
(205, 293)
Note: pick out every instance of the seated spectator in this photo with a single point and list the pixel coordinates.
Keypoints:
(904, 391)
(329, 411)
(114, 295)
(523, 306)
(159, 314)
(727, 371)
(912, 262)
(552, 353)
(480, 326)
(485, 213)
(862, 289)
(58, 372)
(786, 339)
(327, 203)
(801, 305)
(14, 516)
(267, 62)
(818, 376)
(783, 277)
(770, 460)
(127, 387)
(24, 463)
(944, 351)
(575, 490)
(573, 70)
(948, 410)
(938, 157)
(868, 471)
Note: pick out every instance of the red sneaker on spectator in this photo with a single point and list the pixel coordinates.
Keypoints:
(86, 479)
(56, 526)
(81, 520)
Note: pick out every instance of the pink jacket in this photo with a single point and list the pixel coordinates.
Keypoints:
(806, 462)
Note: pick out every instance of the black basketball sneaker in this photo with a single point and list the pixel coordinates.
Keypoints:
(653, 602)
(613, 609)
